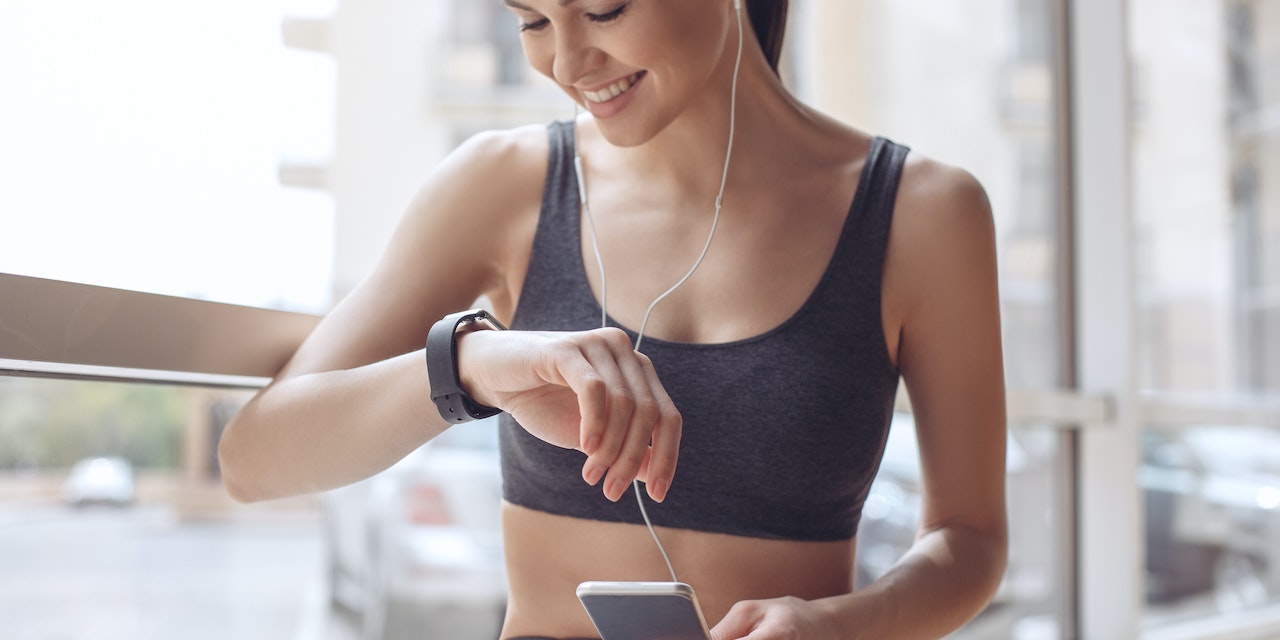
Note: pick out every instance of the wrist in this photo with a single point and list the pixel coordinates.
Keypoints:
(450, 396)
(465, 340)
(862, 614)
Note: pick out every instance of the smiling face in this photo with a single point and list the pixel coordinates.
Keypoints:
(636, 65)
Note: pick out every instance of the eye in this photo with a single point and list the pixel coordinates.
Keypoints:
(610, 16)
(536, 25)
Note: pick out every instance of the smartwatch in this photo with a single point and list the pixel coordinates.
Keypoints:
(442, 366)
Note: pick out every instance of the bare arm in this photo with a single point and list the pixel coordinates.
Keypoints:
(355, 397)
(941, 291)
(952, 363)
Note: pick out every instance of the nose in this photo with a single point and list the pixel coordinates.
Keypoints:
(575, 55)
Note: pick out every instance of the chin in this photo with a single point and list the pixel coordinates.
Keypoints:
(622, 138)
(628, 132)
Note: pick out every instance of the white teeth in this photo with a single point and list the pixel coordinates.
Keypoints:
(612, 91)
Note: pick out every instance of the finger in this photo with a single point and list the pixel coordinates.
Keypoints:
(602, 437)
(633, 412)
(635, 448)
(643, 474)
(574, 370)
(659, 466)
(589, 365)
(738, 623)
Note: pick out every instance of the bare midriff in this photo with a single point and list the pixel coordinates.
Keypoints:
(549, 555)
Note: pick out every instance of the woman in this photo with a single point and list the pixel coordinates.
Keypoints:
(768, 374)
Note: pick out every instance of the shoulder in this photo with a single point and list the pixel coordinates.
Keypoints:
(472, 218)
(942, 238)
(509, 148)
(937, 199)
(482, 184)
(494, 164)
(939, 205)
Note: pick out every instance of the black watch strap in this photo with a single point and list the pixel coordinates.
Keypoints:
(442, 367)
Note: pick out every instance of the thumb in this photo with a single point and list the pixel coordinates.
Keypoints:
(736, 624)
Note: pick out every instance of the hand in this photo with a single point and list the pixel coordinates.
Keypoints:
(587, 390)
(777, 619)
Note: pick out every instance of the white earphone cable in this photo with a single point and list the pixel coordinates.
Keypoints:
(591, 224)
(724, 179)
(715, 220)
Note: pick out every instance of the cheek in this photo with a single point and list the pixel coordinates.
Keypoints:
(687, 46)
(539, 55)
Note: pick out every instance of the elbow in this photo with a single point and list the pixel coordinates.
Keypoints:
(992, 550)
(999, 566)
(981, 553)
(988, 548)
(239, 491)
(235, 470)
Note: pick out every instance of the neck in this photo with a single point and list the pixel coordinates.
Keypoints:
(690, 152)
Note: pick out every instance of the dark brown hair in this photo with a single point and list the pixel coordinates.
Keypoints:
(769, 21)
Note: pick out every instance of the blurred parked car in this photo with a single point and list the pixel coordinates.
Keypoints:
(891, 517)
(100, 481)
(1212, 496)
(891, 513)
(416, 550)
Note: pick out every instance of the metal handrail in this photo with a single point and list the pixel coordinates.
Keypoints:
(57, 329)
(52, 328)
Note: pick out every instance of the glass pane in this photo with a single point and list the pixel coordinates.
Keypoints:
(1212, 497)
(144, 142)
(1027, 605)
(415, 552)
(1206, 196)
(114, 524)
(1207, 210)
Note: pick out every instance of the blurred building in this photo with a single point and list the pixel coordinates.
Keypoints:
(413, 80)
(1207, 193)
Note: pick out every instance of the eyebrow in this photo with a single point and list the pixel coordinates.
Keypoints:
(523, 7)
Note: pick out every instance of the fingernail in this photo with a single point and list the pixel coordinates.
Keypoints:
(658, 490)
(593, 443)
(592, 473)
(616, 488)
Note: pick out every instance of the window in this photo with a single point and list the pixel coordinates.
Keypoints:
(148, 146)
(1206, 209)
(115, 526)
(143, 145)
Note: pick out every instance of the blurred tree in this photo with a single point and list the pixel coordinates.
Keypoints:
(54, 423)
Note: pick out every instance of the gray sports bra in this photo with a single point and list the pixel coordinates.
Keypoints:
(783, 432)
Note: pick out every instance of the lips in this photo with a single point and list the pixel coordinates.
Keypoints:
(614, 90)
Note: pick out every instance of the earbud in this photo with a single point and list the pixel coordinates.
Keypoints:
(737, 5)
(582, 176)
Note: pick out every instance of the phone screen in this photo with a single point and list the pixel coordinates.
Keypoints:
(643, 610)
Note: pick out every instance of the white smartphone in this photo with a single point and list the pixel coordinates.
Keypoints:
(643, 610)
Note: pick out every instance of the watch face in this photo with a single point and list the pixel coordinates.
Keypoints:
(481, 318)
